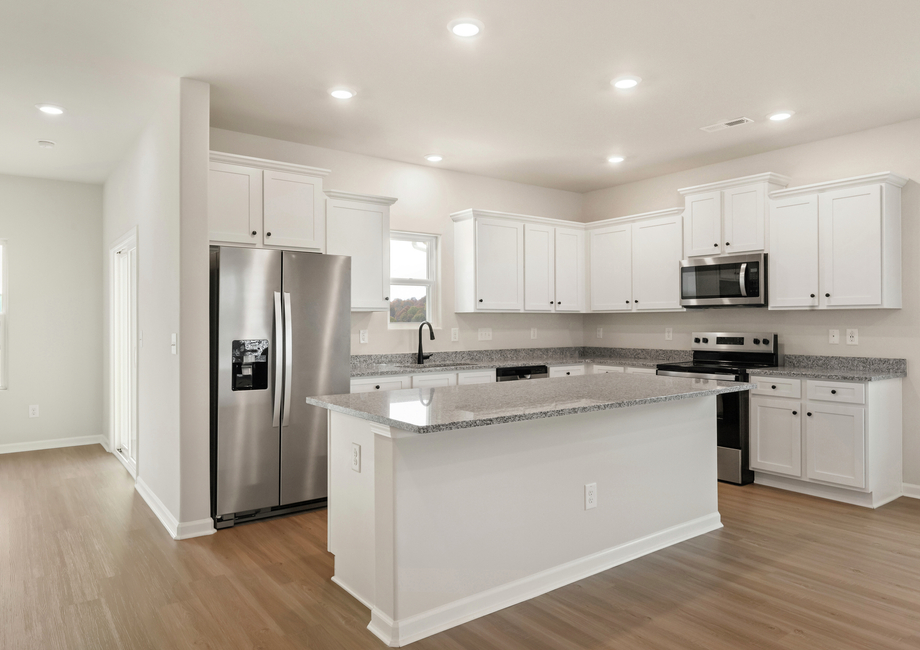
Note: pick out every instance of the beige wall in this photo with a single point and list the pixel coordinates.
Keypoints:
(53, 232)
(882, 333)
(427, 196)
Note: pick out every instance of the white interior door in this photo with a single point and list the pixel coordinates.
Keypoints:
(123, 369)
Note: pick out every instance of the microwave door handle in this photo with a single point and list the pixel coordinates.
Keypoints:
(742, 279)
(279, 363)
(288, 358)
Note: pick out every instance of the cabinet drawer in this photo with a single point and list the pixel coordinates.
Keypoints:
(777, 386)
(836, 391)
(566, 371)
(434, 380)
(478, 377)
(603, 370)
(371, 384)
(642, 371)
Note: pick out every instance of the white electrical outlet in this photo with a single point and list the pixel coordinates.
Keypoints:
(533, 332)
(600, 332)
(33, 410)
(485, 333)
(852, 337)
(668, 334)
(454, 333)
(833, 337)
(590, 495)
(363, 336)
(356, 457)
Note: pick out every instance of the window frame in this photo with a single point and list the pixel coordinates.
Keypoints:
(432, 284)
(4, 312)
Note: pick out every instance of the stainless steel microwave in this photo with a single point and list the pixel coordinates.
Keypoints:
(724, 281)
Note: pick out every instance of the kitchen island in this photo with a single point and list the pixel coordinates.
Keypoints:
(446, 504)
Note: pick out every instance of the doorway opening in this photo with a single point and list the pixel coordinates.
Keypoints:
(123, 353)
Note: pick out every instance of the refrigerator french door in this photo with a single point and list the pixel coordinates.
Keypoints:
(280, 324)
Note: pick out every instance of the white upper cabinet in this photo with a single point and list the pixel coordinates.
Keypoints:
(635, 262)
(499, 265)
(611, 268)
(264, 203)
(729, 216)
(837, 245)
(570, 269)
(539, 267)
(234, 204)
(358, 225)
(656, 249)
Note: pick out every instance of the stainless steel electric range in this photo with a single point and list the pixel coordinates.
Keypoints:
(729, 356)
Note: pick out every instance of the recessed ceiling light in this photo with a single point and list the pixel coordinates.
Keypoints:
(342, 93)
(50, 109)
(626, 82)
(465, 27)
(616, 159)
(779, 116)
(46, 144)
(433, 157)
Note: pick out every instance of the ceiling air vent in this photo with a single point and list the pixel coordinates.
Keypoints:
(727, 124)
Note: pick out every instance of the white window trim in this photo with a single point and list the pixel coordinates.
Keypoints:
(432, 284)
(4, 316)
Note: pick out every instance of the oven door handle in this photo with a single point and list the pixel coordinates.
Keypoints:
(697, 375)
(742, 279)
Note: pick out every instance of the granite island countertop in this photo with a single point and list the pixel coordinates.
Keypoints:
(429, 410)
(386, 369)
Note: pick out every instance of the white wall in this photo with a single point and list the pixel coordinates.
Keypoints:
(890, 333)
(53, 230)
(427, 196)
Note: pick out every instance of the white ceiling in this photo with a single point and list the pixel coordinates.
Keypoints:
(529, 100)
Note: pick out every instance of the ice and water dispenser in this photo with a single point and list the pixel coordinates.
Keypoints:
(250, 365)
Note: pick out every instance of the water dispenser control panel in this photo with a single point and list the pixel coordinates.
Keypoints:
(250, 364)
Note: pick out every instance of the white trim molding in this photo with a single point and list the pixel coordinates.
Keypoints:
(198, 528)
(361, 198)
(470, 213)
(767, 177)
(855, 181)
(159, 509)
(405, 631)
(17, 447)
(911, 490)
(262, 163)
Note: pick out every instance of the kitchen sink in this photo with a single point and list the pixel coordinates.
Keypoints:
(455, 364)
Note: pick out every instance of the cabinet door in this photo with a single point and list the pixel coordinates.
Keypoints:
(611, 268)
(703, 225)
(566, 371)
(362, 231)
(570, 269)
(776, 436)
(539, 244)
(793, 262)
(234, 204)
(293, 211)
(743, 211)
(434, 381)
(499, 265)
(835, 444)
(605, 370)
(656, 246)
(851, 247)
(480, 377)
(379, 383)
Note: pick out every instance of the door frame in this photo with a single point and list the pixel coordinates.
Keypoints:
(123, 243)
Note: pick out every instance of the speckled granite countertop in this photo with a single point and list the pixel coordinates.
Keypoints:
(428, 410)
(837, 368)
(384, 369)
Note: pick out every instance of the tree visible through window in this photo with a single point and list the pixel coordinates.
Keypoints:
(413, 280)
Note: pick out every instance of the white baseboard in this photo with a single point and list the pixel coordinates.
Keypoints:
(408, 630)
(16, 447)
(353, 593)
(844, 495)
(161, 511)
(910, 490)
(199, 528)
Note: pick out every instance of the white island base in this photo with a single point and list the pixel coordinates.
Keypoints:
(437, 529)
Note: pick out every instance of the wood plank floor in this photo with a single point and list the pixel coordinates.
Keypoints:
(84, 563)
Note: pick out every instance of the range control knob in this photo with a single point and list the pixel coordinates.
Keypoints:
(696, 340)
(705, 340)
(756, 341)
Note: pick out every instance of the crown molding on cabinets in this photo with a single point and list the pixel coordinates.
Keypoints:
(262, 163)
(360, 198)
(881, 177)
(471, 213)
(767, 177)
(670, 212)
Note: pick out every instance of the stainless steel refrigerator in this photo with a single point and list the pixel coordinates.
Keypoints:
(280, 331)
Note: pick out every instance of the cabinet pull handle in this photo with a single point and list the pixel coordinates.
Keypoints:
(833, 392)
(808, 414)
(268, 234)
(377, 386)
(795, 412)
(254, 233)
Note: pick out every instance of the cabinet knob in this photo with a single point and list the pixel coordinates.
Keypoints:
(827, 295)
(559, 303)
(812, 295)
(727, 244)
(716, 245)
(386, 297)
(636, 301)
(795, 412)
(480, 300)
(773, 387)
(551, 302)
(377, 386)
(254, 233)
(568, 373)
(833, 392)
(808, 414)
(627, 302)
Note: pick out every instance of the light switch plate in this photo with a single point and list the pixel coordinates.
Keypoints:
(600, 332)
(668, 334)
(363, 336)
(533, 332)
(454, 333)
(833, 337)
(485, 333)
(356, 457)
(852, 337)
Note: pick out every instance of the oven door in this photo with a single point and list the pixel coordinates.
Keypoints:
(725, 281)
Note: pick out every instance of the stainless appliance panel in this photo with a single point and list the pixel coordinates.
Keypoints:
(699, 375)
(319, 327)
(247, 442)
(729, 464)
(724, 281)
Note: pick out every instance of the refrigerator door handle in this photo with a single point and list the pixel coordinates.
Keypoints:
(279, 363)
(288, 358)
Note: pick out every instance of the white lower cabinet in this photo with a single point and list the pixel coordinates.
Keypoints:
(370, 384)
(566, 371)
(601, 369)
(642, 371)
(842, 442)
(476, 377)
(434, 380)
